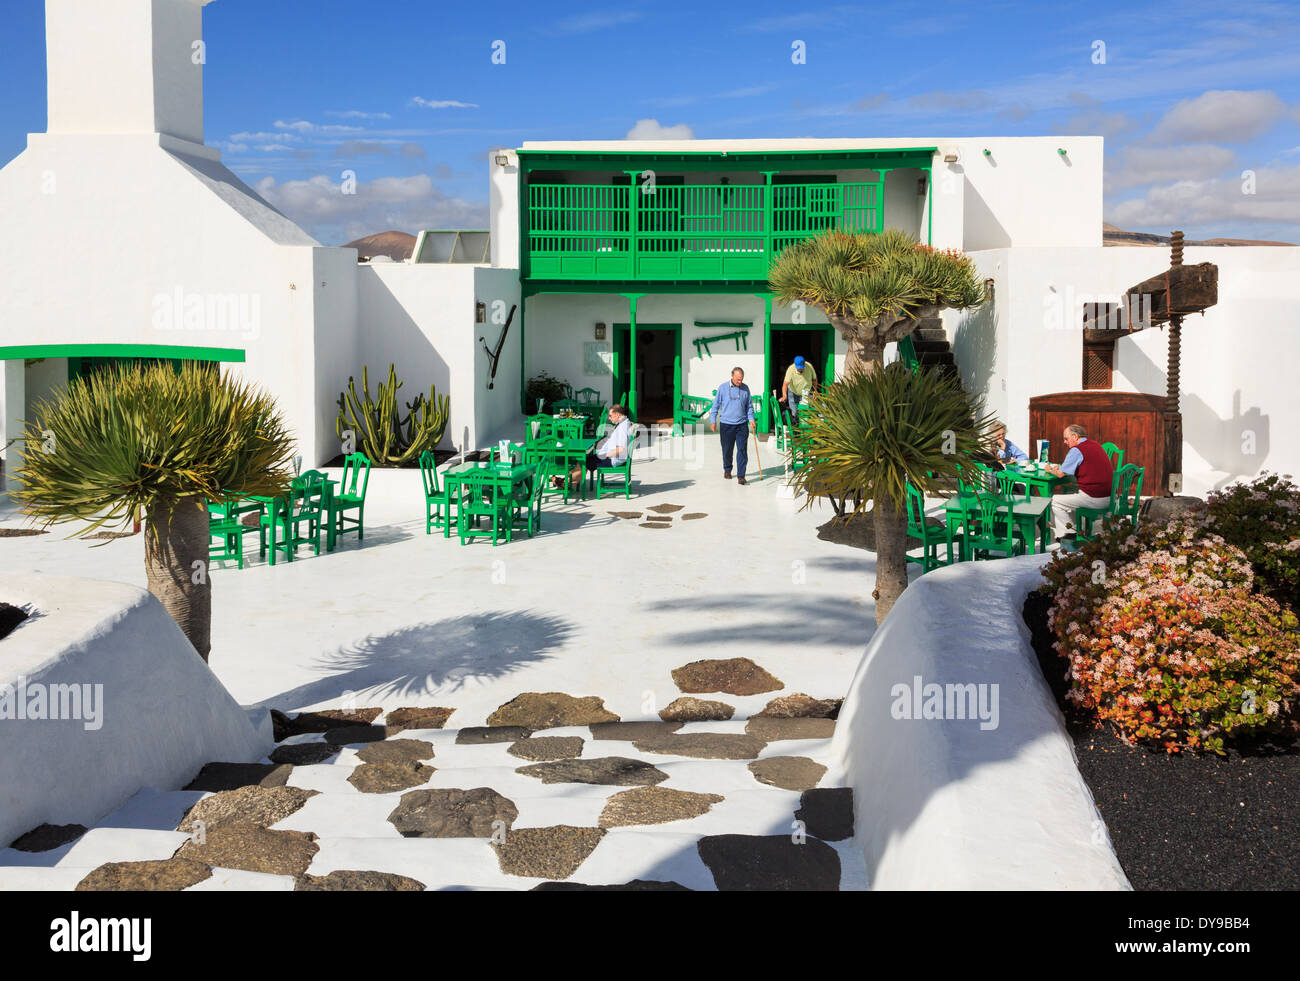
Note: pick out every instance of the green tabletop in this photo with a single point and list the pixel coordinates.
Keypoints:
(1029, 515)
(1035, 478)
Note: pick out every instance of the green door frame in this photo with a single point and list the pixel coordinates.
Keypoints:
(626, 328)
(828, 343)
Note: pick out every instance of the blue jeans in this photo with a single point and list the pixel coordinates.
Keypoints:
(793, 401)
(735, 434)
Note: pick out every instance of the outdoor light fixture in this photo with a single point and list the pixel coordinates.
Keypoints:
(988, 152)
(480, 312)
(1060, 151)
(502, 160)
(600, 332)
(950, 154)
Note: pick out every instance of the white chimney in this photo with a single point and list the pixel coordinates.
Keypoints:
(126, 66)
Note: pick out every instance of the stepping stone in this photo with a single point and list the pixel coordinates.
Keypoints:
(303, 754)
(666, 508)
(543, 749)
(627, 515)
(47, 837)
(260, 806)
(254, 849)
(168, 875)
(351, 881)
(347, 735)
(396, 751)
(689, 709)
(653, 525)
(491, 734)
(321, 721)
(656, 518)
(827, 813)
(706, 745)
(694, 516)
(453, 813)
(754, 863)
(550, 710)
(776, 729)
(654, 805)
(633, 730)
(547, 853)
(612, 771)
(232, 776)
(801, 706)
(735, 676)
(636, 885)
(417, 718)
(788, 772)
(390, 776)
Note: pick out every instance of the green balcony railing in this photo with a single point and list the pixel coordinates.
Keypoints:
(689, 232)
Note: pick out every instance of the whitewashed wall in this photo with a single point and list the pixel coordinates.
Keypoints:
(1240, 410)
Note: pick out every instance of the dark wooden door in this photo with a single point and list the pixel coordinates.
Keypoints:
(1132, 421)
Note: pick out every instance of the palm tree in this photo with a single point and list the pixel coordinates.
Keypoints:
(155, 442)
(874, 288)
(872, 433)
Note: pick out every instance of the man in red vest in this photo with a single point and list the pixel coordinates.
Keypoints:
(1087, 462)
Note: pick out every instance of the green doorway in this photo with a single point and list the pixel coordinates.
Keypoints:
(816, 342)
(658, 370)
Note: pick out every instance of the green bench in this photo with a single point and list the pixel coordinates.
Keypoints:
(690, 409)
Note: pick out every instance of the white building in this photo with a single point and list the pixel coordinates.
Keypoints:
(124, 236)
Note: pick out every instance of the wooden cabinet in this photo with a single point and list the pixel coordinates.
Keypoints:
(1132, 421)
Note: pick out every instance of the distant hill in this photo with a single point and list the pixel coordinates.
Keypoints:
(1110, 235)
(398, 246)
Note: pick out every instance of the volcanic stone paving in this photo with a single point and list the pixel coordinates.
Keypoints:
(556, 791)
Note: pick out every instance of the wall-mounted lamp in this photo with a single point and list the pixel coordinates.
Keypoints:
(480, 312)
(950, 154)
(502, 160)
(600, 332)
(988, 152)
(1060, 151)
(920, 187)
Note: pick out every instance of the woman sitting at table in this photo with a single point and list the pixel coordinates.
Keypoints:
(613, 451)
(1007, 450)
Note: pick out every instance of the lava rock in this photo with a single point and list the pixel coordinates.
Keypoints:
(628, 731)
(396, 750)
(801, 706)
(453, 813)
(303, 754)
(260, 806)
(167, 875)
(828, 813)
(688, 709)
(788, 772)
(773, 730)
(705, 745)
(390, 776)
(231, 776)
(614, 771)
(761, 863)
(417, 718)
(254, 849)
(550, 710)
(347, 880)
(47, 837)
(543, 749)
(476, 735)
(735, 676)
(547, 853)
(654, 805)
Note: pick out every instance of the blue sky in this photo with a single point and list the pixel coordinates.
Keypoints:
(405, 94)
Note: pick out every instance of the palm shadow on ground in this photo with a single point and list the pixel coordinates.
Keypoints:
(426, 657)
(798, 617)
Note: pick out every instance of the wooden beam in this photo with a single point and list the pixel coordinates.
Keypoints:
(1179, 291)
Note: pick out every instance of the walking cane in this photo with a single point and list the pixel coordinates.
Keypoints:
(757, 457)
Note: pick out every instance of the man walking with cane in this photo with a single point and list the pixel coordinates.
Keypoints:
(732, 409)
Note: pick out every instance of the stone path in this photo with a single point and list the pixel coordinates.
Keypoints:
(555, 791)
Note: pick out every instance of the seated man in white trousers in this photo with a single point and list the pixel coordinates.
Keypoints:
(1087, 462)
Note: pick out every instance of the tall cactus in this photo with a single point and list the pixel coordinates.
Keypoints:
(377, 426)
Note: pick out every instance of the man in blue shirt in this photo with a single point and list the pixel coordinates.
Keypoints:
(732, 408)
(1008, 450)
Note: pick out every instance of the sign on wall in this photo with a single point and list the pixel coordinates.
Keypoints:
(597, 359)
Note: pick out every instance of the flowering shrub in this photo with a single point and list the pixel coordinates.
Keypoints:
(1262, 518)
(1165, 637)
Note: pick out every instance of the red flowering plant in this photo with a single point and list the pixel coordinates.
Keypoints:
(1165, 637)
(1262, 518)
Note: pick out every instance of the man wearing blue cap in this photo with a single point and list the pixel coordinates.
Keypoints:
(800, 380)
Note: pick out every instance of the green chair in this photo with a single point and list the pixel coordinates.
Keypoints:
(351, 496)
(225, 525)
(987, 532)
(622, 470)
(485, 500)
(1125, 501)
(931, 537)
(526, 505)
(1114, 454)
(689, 411)
(538, 427)
(439, 502)
(587, 396)
(303, 504)
(570, 403)
(780, 428)
(569, 428)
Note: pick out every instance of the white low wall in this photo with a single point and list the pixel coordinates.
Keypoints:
(946, 803)
(162, 713)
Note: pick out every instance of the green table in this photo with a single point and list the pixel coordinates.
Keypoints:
(494, 489)
(562, 455)
(1034, 477)
(1034, 514)
(269, 504)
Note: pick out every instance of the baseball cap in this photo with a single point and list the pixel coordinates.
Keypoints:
(798, 361)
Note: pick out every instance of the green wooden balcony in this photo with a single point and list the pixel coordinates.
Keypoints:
(686, 232)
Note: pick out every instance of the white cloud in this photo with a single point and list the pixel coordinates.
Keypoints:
(1223, 201)
(596, 21)
(442, 103)
(652, 129)
(1220, 117)
(356, 114)
(1138, 166)
(403, 203)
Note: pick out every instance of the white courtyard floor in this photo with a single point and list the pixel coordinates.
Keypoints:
(597, 607)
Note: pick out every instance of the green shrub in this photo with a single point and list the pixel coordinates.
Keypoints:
(1262, 518)
(545, 387)
(1165, 637)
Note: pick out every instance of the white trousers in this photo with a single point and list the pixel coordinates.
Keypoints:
(1063, 506)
